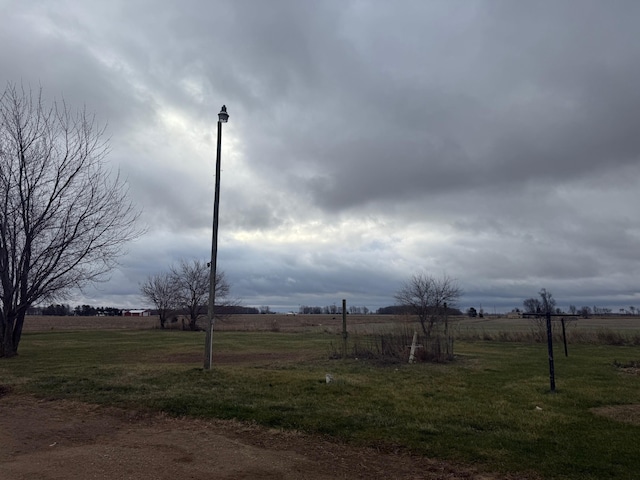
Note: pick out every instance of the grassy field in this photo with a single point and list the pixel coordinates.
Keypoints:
(491, 407)
(324, 323)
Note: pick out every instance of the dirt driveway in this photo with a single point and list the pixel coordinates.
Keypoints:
(42, 439)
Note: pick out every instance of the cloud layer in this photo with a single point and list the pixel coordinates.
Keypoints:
(495, 141)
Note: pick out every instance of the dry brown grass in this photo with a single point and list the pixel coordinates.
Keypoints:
(256, 322)
(491, 327)
(41, 323)
(620, 413)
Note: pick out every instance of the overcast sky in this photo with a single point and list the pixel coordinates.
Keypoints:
(496, 142)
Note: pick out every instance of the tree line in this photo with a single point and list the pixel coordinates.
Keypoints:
(332, 310)
(64, 309)
(546, 303)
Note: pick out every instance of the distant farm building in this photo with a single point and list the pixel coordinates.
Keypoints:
(135, 313)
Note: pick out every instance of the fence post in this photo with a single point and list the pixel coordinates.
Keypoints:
(552, 379)
(412, 353)
(345, 334)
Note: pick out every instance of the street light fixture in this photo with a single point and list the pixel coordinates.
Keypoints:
(223, 117)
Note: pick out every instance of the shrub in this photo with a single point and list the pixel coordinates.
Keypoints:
(395, 347)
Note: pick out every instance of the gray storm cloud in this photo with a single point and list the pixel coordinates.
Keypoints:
(496, 141)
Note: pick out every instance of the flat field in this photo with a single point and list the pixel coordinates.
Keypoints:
(488, 414)
(326, 323)
(272, 322)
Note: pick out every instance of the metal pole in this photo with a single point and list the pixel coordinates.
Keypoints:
(564, 338)
(344, 328)
(208, 355)
(552, 375)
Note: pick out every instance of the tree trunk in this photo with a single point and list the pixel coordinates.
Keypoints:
(10, 334)
(193, 326)
(426, 324)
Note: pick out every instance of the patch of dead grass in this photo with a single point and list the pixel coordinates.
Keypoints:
(620, 413)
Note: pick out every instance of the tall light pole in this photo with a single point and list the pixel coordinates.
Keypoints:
(223, 117)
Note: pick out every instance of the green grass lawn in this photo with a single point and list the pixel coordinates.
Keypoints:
(491, 407)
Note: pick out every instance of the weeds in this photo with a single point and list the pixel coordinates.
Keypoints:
(633, 364)
(602, 336)
(394, 347)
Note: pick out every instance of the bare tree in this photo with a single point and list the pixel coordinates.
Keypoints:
(428, 298)
(162, 291)
(545, 304)
(585, 311)
(532, 305)
(63, 217)
(192, 281)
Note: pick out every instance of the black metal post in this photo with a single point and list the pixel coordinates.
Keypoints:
(552, 379)
(345, 334)
(564, 337)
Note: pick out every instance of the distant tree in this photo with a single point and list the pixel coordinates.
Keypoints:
(265, 309)
(192, 281)
(59, 310)
(112, 311)
(85, 310)
(545, 304)
(472, 312)
(601, 310)
(585, 311)
(63, 218)
(395, 310)
(532, 305)
(572, 309)
(355, 310)
(161, 290)
(230, 309)
(428, 298)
